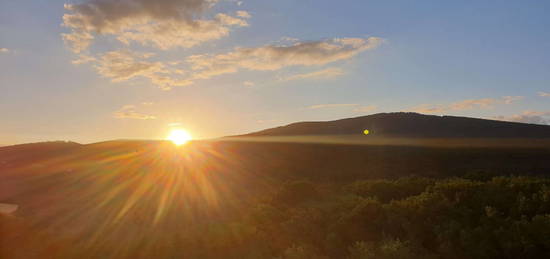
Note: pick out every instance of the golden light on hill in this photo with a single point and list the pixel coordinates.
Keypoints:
(179, 137)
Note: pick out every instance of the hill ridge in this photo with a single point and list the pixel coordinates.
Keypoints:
(410, 124)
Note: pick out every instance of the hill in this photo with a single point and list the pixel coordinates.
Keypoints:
(16, 155)
(231, 199)
(267, 199)
(412, 125)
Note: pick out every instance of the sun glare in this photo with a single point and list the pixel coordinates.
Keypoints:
(179, 137)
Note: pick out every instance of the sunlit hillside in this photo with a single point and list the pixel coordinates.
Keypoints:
(260, 198)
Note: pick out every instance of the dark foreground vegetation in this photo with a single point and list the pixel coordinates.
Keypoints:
(243, 200)
(503, 217)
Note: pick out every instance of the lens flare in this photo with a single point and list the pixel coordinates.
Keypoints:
(179, 137)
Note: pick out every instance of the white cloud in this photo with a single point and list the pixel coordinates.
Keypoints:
(83, 59)
(166, 24)
(162, 24)
(172, 34)
(78, 41)
(244, 14)
(271, 57)
(129, 112)
(468, 104)
(320, 74)
(533, 117)
(544, 94)
(124, 65)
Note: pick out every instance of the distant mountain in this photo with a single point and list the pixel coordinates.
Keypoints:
(412, 125)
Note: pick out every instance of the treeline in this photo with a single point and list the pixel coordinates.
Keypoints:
(413, 217)
(505, 217)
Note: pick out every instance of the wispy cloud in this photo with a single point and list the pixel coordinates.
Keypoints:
(429, 108)
(534, 117)
(289, 39)
(332, 105)
(274, 57)
(473, 104)
(129, 112)
(124, 65)
(366, 109)
(83, 59)
(243, 14)
(249, 83)
(320, 74)
(468, 104)
(511, 99)
(544, 94)
(162, 24)
(167, 24)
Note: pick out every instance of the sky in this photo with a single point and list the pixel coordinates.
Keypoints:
(95, 70)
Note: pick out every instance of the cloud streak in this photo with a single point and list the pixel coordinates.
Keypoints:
(468, 104)
(332, 105)
(366, 109)
(273, 57)
(123, 65)
(327, 73)
(129, 112)
(533, 117)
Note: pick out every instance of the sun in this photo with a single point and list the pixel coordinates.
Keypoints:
(179, 137)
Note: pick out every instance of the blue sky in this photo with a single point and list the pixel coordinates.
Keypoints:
(259, 64)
